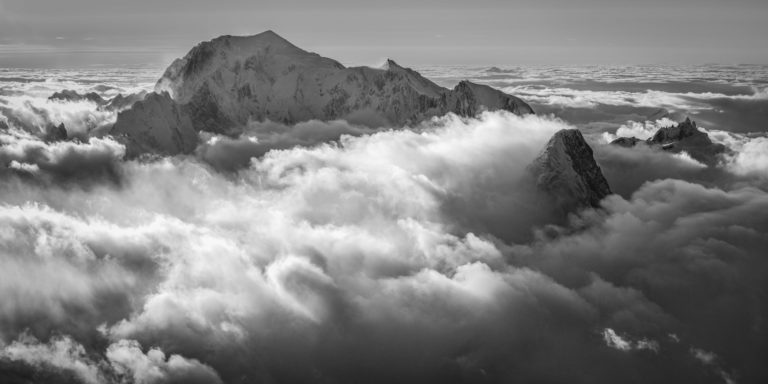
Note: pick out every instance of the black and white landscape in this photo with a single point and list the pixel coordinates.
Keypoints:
(255, 212)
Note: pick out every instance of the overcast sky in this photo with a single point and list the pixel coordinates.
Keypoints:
(78, 32)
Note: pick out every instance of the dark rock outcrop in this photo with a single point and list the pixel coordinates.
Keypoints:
(121, 102)
(56, 133)
(155, 125)
(117, 103)
(626, 142)
(70, 95)
(566, 171)
(684, 136)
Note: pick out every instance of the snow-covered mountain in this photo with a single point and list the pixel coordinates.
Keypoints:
(222, 84)
(566, 171)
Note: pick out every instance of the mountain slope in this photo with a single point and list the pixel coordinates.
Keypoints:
(155, 125)
(224, 83)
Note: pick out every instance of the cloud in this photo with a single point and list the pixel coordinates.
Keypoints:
(642, 131)
(24, 94)
(61, 353)
(35, 115)
(96, 158)
(614, 340)
(124, 362)
(380, 257)
(127, 359)
(678, 243)
(627, 169)
(750, 157)
(230, 154)
(599, 105)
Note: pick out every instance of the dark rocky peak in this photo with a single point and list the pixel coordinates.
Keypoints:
(121, 102)
(390, 65)
(469, 99)
(71, 95)
(157, 125)
(676, 133)
(683, 137)
(55, 133)
(626, 142)
(566, 170)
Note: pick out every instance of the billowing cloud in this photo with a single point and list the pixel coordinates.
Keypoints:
(642, 131)
(24, 102)
(229, 154)
(125, 362)
(97, 158)
(749, 156)
(626, 169)
(385, 257)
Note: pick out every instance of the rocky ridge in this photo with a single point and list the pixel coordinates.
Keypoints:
(684, 136)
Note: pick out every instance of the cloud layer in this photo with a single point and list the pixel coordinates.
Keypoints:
(383, 257)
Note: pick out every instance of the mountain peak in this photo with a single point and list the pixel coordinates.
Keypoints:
(222, 84)
(566, 170)
(676, 133)
(269, 36)
(390, 65)
(260, 40)
(685, 136)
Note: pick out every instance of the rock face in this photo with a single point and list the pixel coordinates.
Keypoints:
(155, 125)
(684, 136)
(626, 142)
(121, 102)
(566, 171)
(70, 95)
(56, 133)
(117, 103)
(224, 83)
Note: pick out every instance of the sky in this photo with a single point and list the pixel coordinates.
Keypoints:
(38, 33)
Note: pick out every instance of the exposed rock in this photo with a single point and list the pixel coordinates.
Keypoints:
(155, 125)
(627, 142)
(117, 103)
(225, 83)
(684, 136)
(56, 133)
(70, 95)
(120, 102)
(566, 170)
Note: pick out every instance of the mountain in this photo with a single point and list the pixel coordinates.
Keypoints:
(567, 172)
(117, 103)
(223, 84)
(70, 95)
(684, 136)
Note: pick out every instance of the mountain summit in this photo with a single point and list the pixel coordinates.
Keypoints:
(566, 170)
(222, 84)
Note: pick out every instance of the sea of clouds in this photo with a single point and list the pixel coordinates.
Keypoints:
(327, 252)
